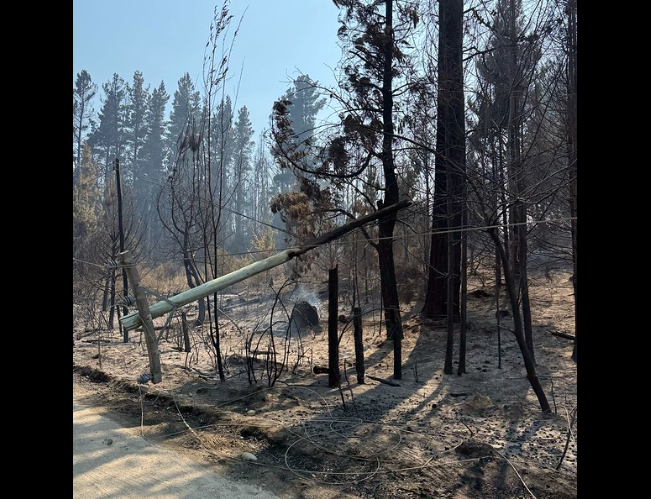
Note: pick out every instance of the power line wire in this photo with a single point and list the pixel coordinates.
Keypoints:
(103, 267)
(396, 238)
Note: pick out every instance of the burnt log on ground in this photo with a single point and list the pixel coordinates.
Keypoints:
(303, 316)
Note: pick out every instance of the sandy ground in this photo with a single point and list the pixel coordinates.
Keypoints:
(480, 435)
(111, 461)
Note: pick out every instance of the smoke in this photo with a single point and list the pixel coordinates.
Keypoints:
(301, 294)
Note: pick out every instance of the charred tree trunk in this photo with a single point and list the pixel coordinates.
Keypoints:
(499, 206)
(125, 282)
(192, 278)
(463, 327)
(427, 239)
(359, 344)
(436, 296)
(111, 319)
(105, 293)
(387, 225)
(449, 344)
(215, 337)
(384, 294)
(517, 181)
(448, 368)
(524, 291)
(450, 165)
(503, 200)
(366, 290)
(498, 284)
(572, 139)
(187, 347)
(334, 376)
(393, 320)
(510, 281)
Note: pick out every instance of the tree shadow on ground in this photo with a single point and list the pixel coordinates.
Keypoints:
(375, 440)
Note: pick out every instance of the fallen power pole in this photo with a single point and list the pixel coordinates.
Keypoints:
(133, 320)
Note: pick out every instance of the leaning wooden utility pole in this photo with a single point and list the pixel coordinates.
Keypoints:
(144, 314)
(133, 320)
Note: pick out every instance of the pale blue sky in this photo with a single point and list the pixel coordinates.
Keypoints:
(166, 38)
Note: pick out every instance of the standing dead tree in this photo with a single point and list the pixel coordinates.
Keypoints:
(213, 162)
(334, 374)
(519, 332)
(572, 144)
(515, 162)
(359, 155)
(178, 210)
(444, 279)
(192, 201)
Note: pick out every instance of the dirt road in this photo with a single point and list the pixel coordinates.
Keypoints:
(110, 461)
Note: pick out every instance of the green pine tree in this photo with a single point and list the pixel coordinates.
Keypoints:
(152, 162)
(85, 202)
(136, 130)
(185, 110)
(109, 138)
(241, 200)
(83, 113)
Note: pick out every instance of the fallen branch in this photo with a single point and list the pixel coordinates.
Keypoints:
(385, 381)
(96, 341)
(516, 471)
(570, 423)
(92, 332)
(563, 335)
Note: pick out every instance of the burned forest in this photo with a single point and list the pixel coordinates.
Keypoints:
(373, 293)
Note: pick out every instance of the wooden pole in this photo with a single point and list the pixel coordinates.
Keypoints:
(143, 311)
(132, 321)
(334, 375)
(125, 281)
(186, 334)
(359, 345)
